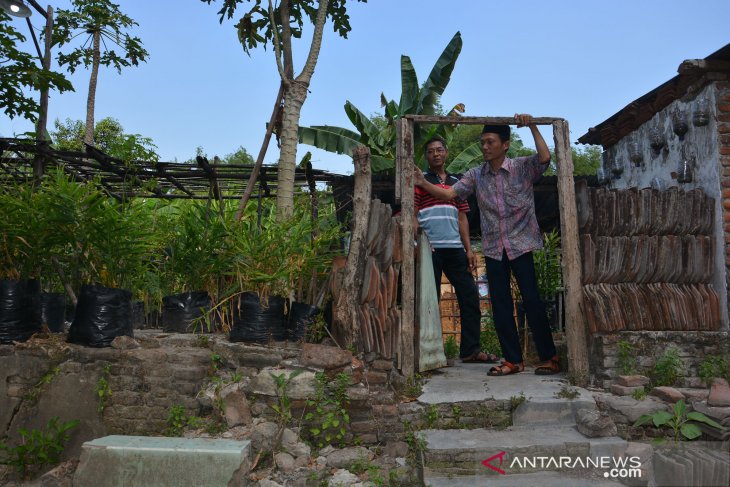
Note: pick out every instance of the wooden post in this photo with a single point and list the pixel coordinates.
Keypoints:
(404, 156)
(575, 329)
(346, 322)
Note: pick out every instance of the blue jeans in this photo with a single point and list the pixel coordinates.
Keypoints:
(455, 265)
(498, 277)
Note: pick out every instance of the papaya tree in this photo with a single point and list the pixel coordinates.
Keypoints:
(278, 25)
(414, 99)
(20, 71)
(97, 22)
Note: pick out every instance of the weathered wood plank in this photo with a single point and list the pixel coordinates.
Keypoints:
(346, 327)
(477, 120)
(571, 263)
(404, 152)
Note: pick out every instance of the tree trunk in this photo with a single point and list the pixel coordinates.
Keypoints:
(294, 99)
(90, 101)
(296, 94)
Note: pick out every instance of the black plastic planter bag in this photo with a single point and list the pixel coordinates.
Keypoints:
(138, 316)
(301, 316)
(252, 322)
(102, 314)
(179, 311)
(20, 310)
(53, 311)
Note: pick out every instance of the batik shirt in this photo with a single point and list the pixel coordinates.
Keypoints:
(438, 218)
(506, 205)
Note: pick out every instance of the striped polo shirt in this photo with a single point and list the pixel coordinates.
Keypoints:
(438, 218)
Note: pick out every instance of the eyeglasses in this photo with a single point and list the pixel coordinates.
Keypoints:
(431, 152)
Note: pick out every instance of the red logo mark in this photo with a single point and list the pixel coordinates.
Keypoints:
(488, 462)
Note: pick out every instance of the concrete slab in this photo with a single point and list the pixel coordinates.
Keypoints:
(552, 410)
(542, 479)
(144, 461)
(470, 382)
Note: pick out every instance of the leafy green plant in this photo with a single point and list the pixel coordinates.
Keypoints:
(327, 414)
(639, 394)
(515, 401)
(103, 388)
(451, 348)
(667, 368)
(413, 387)
(317, 330)
(712, 367)
(283, 407)
(488, 340)
(678, 421)
(456, 412)
(216, 362)
(626, 360)
(547, 266)
(567, 392)
(35, 392)
(431, 415)
(178, 420)
(38, 448)
(372, 473)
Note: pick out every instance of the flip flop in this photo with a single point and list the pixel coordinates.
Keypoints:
(481, 357)
(499, 371)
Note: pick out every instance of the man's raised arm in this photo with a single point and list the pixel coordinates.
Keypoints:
(446, 194)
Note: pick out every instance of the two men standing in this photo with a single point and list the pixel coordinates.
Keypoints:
(503, 188)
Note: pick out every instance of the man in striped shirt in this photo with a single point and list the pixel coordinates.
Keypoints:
(510, 233)
(447, 229)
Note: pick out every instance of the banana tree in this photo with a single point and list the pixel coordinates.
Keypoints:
(381, 137)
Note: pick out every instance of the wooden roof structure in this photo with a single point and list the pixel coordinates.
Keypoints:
(149, 179)
(691, 77)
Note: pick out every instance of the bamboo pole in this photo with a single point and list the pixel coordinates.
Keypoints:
(262, 152)
(575, 329)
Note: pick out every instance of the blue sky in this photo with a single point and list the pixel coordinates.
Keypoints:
(581, 60)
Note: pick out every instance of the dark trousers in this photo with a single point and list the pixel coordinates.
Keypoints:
(455, 265)
(498, 277)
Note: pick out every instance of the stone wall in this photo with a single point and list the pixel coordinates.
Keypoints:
(648, 346)
(209, 377)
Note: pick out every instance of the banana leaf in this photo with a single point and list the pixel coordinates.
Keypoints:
(439, 77)
(409, 86)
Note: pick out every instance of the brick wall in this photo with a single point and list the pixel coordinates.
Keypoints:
(723, 134)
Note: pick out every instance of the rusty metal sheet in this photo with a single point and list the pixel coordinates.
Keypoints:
(430, 341)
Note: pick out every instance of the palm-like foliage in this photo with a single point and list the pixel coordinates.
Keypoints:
(414, 99)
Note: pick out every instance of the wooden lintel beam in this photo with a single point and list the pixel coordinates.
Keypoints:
(477, 120)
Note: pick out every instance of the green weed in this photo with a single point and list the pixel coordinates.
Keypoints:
(667, 368)
(38, 448)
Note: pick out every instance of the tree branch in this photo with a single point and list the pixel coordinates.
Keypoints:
(277, 46)
(306, 75)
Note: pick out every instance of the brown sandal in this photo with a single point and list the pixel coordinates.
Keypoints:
(481, 357)
(511, 368)
(551, 367)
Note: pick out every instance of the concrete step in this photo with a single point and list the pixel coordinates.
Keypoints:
(551, 409)
(146, 461)
(538, 479)
(461, 452)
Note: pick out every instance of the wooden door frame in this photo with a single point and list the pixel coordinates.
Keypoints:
(575, 329)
